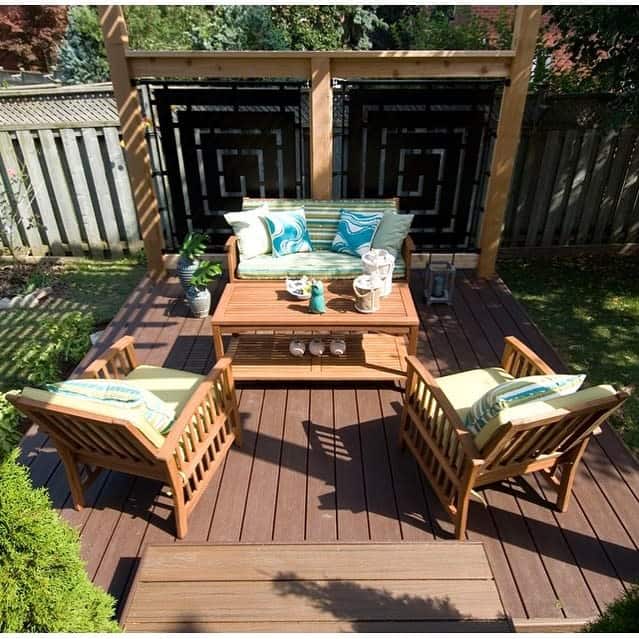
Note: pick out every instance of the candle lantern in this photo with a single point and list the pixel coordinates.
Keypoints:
(439, 283)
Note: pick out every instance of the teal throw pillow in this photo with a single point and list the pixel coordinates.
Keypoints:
(355, 232)
(288, 231)
(518, 391)
(392, 232)
(139, 405)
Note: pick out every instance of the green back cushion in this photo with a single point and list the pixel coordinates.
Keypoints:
(322, 216)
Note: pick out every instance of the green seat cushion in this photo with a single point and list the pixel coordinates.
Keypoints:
(319, 264)
(464, 389)
(172, 386)
(322, 216)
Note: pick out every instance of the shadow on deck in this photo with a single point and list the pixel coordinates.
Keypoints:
(321, 463)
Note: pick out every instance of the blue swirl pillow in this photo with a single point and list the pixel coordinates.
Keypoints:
(355, 232)
(288, 232)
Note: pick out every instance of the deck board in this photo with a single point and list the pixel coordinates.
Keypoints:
(321, 463)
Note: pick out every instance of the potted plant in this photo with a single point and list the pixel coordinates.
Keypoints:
(197, 293)
(191, 250)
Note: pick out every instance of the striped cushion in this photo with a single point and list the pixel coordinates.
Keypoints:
(322, 216)
(519, 391)
(319, 264)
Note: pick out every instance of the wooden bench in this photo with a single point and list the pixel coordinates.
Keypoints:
(411, 587)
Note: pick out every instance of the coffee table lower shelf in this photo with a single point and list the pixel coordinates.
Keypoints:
(369, 357)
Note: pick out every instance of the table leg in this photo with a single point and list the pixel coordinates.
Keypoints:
(218, 345)
(412, 340)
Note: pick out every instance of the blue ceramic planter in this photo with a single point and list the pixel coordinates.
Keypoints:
(185, 270)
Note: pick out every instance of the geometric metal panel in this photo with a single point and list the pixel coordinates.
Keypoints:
(426, 144)
(224, 141)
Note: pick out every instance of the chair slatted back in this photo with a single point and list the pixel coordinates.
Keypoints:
(89, 436)
(526, 445)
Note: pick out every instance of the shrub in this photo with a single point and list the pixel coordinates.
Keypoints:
(43, 583)
(64, 343)
(9, 433)
(621, 615)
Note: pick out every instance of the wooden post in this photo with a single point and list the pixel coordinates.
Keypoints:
(321, 128)
(527, 20)
(132, 125)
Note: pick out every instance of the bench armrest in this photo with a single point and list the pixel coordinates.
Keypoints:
(521, 361)
(408, 248)
(116, 363)
(231, 248)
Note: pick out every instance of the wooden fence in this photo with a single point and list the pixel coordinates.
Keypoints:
(576, 183)
(81, 192)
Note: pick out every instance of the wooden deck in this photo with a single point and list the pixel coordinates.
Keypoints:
(321, 463)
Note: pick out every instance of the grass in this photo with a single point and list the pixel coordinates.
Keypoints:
(589, 310)
(88, 286)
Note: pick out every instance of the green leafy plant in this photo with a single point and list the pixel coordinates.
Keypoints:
(9, 433)
(204, 274)
(193, 246)
(65, 342)
(622, 615)
(37, 279)
(44, 586)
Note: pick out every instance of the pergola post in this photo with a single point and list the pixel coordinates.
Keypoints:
(527, 21)
(132, 125)
(321, 128)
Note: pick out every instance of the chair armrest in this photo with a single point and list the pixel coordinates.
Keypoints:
(231, 249)
(116, 363)
(521, 361)
(430, 406)
(199, 422)
(408, 247)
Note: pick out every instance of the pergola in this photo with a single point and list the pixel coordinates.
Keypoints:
(319, 68)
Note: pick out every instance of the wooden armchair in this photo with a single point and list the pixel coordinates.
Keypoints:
(552, 438)
(193, 449)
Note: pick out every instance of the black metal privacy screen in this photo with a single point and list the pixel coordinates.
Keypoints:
(427, 143)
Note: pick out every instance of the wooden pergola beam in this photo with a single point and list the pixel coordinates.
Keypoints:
(320, 67)
(527, 21)
(133, 129)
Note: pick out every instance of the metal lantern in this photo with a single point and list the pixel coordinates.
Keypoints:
(440, 283)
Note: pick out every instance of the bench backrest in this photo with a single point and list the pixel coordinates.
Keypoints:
(322, 216)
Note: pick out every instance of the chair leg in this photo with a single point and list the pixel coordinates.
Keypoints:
(568, 474)
(73, 477)
(179, 507)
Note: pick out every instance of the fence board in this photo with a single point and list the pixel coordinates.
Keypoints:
(26, 214)
(40, 192)
(626, 198)
(62, 194)
(123, 187)
(105, 204)
(82, 193)
(579, 185)
(598, 177)
(544, 186)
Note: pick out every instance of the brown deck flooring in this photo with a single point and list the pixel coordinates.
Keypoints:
(321, 463)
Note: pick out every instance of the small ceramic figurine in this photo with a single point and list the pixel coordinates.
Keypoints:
(297, 348)
(316, 347)
(317, 303)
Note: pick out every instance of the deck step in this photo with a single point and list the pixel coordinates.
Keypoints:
(411, 587)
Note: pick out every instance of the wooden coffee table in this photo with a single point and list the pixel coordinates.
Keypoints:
(262, 316)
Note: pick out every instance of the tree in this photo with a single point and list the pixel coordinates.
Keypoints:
(30, 36)
(604, 44)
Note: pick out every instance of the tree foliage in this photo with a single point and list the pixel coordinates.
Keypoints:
(603, 41)
(30, 36)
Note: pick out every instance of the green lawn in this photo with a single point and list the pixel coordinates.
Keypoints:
(589, 310)
(89, 286)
